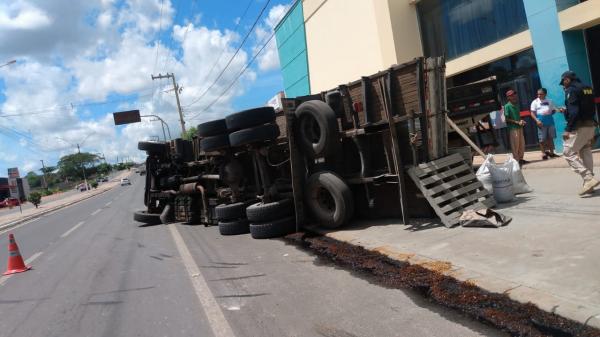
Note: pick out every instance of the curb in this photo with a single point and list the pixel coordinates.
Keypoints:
(521, 293)
(9, 225)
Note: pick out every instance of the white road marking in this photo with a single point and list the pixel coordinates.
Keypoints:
(28, 261)
(108, 203)
(97, 211)
(216, 319)
(72, 229)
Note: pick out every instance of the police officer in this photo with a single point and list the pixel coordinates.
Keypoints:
(579, 113)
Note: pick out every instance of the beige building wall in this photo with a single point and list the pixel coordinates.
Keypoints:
(347, 39)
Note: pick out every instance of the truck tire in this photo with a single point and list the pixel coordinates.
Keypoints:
(254, 135)
(152, 147)
(261, 212)
(317, 131)
(231, 211)
(212, 128)
(147, 218)
(329, 199)
(214, 143)
(273, 229)
(234, 227)
(250, 118)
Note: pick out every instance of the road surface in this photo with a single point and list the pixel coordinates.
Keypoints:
(96, 272)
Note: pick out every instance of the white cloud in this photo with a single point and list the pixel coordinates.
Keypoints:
(106, 47)
(269, 58)
(24, 16)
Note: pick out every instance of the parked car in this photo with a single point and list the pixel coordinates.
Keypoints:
(81, 187)
(125, 181)
(9, 202)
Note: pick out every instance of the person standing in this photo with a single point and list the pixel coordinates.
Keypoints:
(542, 109)
(579, 112)
(515, 126)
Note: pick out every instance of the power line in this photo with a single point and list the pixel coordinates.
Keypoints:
(232, 57)
(243, 69)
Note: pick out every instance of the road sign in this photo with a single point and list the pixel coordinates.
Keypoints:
(127, 117)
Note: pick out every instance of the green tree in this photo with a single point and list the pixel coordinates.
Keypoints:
(103, 168)
(48, 169)
(35, 198)
(33, 179)
(72, 165)
(191, 132)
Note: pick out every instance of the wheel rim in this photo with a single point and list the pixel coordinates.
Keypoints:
(310, 128)
(325, 200)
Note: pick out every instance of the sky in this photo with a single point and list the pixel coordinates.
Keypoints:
(80, 61)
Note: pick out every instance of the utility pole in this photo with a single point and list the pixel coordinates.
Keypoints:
(83, 168)
(44, 176)
(176, 88)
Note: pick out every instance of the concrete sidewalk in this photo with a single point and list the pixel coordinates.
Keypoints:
(548, 255)
(11, 219)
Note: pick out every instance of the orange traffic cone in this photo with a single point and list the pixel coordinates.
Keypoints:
(15, 261)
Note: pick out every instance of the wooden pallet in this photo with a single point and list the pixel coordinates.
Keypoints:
(451, 187)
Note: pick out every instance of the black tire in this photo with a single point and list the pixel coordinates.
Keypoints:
(214, 143)
(250, 118)
(231, 211)
(261, 212)
(148, 218)
(273, 229)
(256, 134)
(317, 131)
(329, 199)
(212, 128)
(152, 147)
(234, 227)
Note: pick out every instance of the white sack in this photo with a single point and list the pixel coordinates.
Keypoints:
(502, 181)
(519, 184)
(483, 173)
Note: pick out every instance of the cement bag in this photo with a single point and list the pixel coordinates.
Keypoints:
(502, 181)
(519, 184)
(483, 173)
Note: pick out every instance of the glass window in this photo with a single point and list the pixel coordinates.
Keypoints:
(456, 27)
(564, 4)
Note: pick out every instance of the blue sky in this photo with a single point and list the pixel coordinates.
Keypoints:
(73, 70)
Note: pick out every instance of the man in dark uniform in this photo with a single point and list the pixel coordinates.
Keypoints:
(579, 112)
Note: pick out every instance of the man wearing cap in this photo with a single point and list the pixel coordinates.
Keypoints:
(579, 113)
(515, 126)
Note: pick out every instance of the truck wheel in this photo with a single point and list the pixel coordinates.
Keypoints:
(212, 128)
(153, 147)
(273, 229)
(214, 143)
(148, 218)
(317, 129)
(261, 212)
(250, 118)
(254, 135)
(329, 199)
(231, 211)
(234, 227)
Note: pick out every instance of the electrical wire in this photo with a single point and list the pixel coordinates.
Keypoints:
(232, 57)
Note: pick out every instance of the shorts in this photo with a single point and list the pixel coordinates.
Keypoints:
(546, 132)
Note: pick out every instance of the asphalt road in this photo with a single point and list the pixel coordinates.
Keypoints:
(96, 272)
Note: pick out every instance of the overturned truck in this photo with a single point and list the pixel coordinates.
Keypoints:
(373, 148)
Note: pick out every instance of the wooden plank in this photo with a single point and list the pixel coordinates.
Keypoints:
(438, 177)
(459, 192)
(463, 201)
(424, 169)
(451, 184)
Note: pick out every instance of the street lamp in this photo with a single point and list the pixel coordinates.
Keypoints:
(8, 63)
(163, 125)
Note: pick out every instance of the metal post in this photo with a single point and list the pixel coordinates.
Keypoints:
(44, 174)
(163, 125)
(83, 168)
(176, 88)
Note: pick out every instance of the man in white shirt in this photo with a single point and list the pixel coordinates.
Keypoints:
(542, 109)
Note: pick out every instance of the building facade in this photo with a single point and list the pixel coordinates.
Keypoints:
(526, 44)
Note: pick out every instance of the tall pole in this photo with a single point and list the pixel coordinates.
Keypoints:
(163, 123)
(44, 174)
(83, 168)
(176, 88)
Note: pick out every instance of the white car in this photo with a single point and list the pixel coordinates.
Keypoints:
(125, 181)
